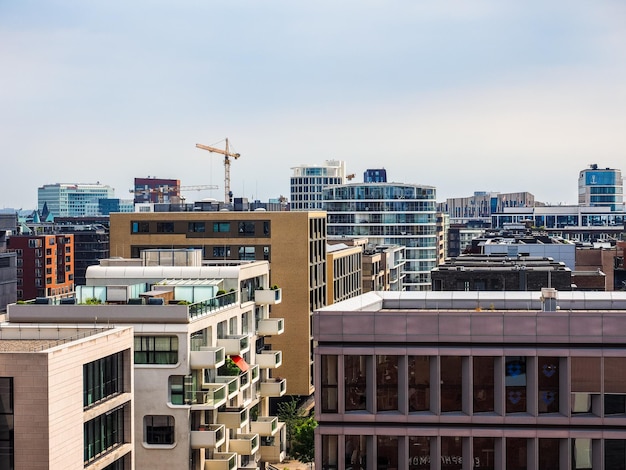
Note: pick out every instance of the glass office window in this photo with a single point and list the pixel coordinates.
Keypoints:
(484, 450)
(586, 382)
(451, 453)
(548, 384)
(516, 454)
(387, 452)
(330, 453)
(451, 384)
(419, 383)
(615, 454)
(355, 368)
(6, 423)
(419, 453)
(158, 429)
(103, 378)
(515, 383)
(386, 383)
(329, 384)
(484, 383)
(614, 385)
(156, 349)
(356, 452)
(103, 433)
(549, 454)
(581, 454)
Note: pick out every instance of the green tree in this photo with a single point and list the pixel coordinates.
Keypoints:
(303, 447)
(292, 415)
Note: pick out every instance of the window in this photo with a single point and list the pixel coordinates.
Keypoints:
(329, 384)
(103, 378)
(246, 228)
(386, 383)
(158, 429)
(549, 450)
(140, 227)
(247, 253)
(451, 453)
(516, 454)
(221, 252)
(483, 384)
(356, 383)
(196, 227)
(419, 383)
(484, 452)
(548, 384)
(156, 349)
(165, 227)
(34, 243)
(356, 452)
(221, 227)
(330, 454)
(177, 389)
(515, 382)
(451, 384)
(387, 451)
(6, 423)
(103, 433)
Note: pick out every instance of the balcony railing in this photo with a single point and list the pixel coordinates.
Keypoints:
(233, 418)
(235, 345)
(244, 444)
(232, 384)
(265, 425)
(254, 373)
(271, 326)
(210, 399)
(269, 359)
(268, 296)
(207, 358)
(273, 388)
(221, 461)
(208, 436)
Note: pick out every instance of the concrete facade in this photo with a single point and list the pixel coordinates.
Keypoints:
(293, 242)
(431, 381)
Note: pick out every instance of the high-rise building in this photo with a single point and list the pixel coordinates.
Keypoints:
(73, 200)
(482, 205)
(308, 181)
(45, 264)
(389, 214)
(601, 187)
(294, 242)
(425, 380)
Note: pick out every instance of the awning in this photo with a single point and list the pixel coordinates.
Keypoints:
(240, 362)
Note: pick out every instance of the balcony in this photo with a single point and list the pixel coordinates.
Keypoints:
(233, 418)
(269, 359)
(245, 379)
(268, 296)
(265, 426)
(271, 326)
(244, 444)
(221, 461)
(208, 436)
(273, 447)
(235, 345)
(231, 382)
(207, 358)
(210, 399)
(273, 388)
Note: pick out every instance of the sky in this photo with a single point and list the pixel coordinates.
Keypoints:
(462, 95)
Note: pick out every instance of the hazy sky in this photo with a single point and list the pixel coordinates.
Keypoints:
(463, 95)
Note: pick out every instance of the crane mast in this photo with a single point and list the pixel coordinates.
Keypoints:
(227, 154)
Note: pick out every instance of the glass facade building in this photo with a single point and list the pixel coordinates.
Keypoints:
(308, 182)
(601, 187)
(389, 214)
(73, 200)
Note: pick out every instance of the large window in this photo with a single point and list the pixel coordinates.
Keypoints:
(386, 383)
(451, 383)
(329, 384)
(165, 227)
(220, 227)
(140, 227)
(419, 383)
(156, 349)
(548, 381)
(158, 429)
(6, 423)
(103, 378)
(196, 227)
(356, 382)
(103, 433)
(246, 229)
(419, 453)
(483, 384)
(515, 382)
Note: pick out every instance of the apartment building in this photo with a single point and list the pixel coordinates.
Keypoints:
(390, 213)
(308, 181)
(430, 380)
(345, 271)
(66, 397)
(45, 264)
(205, 362)
(293, 242)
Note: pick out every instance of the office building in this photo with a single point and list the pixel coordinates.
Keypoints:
(205, 359)
(375, 176)
(601, 187)
(345, 271)
(66, 397)
(308, 181)
(73, 200)
(294, 242)
(156, 190)
(45, 264)
(482, 204)
(389, 213)
(426, 380)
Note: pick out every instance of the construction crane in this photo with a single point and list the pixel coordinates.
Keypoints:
(350, 176)
(162, 190)
(227, 154)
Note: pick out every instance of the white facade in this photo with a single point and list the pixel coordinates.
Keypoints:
(308, 181)
(389, 214)
(73, 200)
